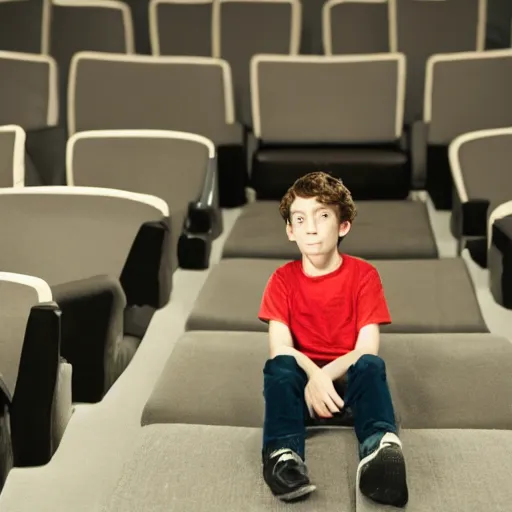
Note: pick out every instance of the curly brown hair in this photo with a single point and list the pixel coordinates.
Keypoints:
(327, 189)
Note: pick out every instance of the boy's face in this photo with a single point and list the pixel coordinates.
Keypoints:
(315, 226)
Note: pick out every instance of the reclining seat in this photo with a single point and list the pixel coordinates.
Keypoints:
(341, 114)
(464, 92)
(36, 381)
(29, 99)
(499, 256)
(102, 26)
(25, 26)
(358, 27)
(12, 156)
(178, 167)
(135, 92)
(105, 254)
(243, 29)
(181, 27)
(480, 168)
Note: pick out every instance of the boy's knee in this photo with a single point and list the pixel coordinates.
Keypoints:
(282, 367)
(370, 362)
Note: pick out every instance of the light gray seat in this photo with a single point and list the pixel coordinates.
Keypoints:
(460, 27)
(243, 29)
(382, 230)
(358, 26)
(25, 25)
(181, 27)
(103, 253)
(423, 296)
(455, 105)
(479, 163)
(170, 464)
(499, 254)
(12, 156)
(223, 371)
(102, 26)
(178, 167)
(31, 369)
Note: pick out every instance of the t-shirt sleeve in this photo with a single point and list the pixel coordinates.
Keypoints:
(274, 304)
(372, 307)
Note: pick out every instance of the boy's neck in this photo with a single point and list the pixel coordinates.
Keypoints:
(321, 265)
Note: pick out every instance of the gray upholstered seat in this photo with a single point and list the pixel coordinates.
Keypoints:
(382, 230)
(423, 296)
(12, 156)
(181, 28)
(358, 27)
(436, 380)
(194, 465)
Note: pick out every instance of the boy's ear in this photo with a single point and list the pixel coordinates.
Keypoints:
(344, 228)
(289, 232)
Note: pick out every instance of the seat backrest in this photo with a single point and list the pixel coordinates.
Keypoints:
(94, 25)
(28, 90)
(169, 165)
(111, 92)
(467, 91)
(24, 25)
(358, 26)
(181, 27)
(12, 156)
(338, 99)
(429, 27)
(481, 165)
(72, 233)
(244, 28)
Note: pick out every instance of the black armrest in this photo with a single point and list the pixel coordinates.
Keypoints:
(501, 234)
(194, 251)
(32, 404)
(46, 149)
(92, 327)
(146, 277)
(6, 459)
(474, 217)
(418, 144)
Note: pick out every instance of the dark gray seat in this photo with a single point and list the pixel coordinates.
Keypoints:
(12, 156)
(455, 105)
(223, 371)
(170, 464)
(103, 253)
(181, 28)
(178, 167)
(243, 29)
(358, 27)
(382, 230)
(188, 94)
(423, 296)
(30, 368)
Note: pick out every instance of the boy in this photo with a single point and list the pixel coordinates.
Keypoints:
(324, 314)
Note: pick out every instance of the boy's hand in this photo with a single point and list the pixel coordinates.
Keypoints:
(320, 395)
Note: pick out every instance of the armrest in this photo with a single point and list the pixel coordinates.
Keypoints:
(46, 148)
(500, 267)
(31, 410)
(474, 217)
(194, 251)
(419, 144)
(147, 276)
(204, 215)
(6, 459)
(92, 326)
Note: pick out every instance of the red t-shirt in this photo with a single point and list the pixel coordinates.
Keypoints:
(325, 313)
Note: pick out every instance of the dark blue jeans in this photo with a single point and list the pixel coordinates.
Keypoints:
(367, 395)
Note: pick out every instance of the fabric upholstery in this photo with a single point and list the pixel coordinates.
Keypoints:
(423, 296)
(429, 377)
(382, 230)
(7, 158)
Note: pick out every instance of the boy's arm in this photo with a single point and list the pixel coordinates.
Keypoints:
(281, 343)
(368, 342)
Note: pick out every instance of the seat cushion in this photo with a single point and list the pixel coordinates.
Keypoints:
(382, 230)
(218, 469)
(436, 380)
(423, 296)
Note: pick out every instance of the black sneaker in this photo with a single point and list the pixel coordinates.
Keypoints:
(287, 475)
(381, 475)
